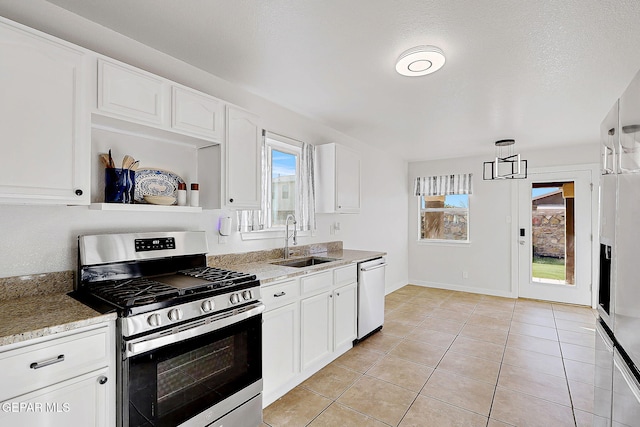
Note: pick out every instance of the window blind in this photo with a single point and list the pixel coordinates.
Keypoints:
(443, 185)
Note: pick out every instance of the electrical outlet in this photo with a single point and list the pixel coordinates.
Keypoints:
(222, 240)
(465, 274)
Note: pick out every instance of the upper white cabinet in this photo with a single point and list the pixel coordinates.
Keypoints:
(337, 179)
(45, 128)
(130, 93)
(197, 114)
(136, 96)
(161, 123)
(243, 160)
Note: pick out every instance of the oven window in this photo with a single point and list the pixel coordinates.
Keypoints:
(190, 374)
(174, 383)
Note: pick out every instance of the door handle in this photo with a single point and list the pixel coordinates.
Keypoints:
(374, 267)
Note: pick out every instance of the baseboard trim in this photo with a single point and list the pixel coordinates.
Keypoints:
(390, 288)
(473, 290)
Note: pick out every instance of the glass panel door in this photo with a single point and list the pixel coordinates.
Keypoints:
(555, 227)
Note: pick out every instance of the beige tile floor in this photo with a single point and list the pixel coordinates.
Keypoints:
(449, 358)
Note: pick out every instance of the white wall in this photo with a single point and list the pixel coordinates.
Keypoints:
(487, 258)
(40, 239)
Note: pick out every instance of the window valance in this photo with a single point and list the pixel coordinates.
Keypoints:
(443, 185)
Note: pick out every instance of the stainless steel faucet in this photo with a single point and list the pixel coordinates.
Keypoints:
(286, 234)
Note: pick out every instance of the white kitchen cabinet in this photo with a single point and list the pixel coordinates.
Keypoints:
(345, 310)
(131, 94)
(337, 179)
(68, 379)
(316, 329)
(243, 160)
(78, 402)
(44, 84)
(280, 348)
(196, 113)
(308, 322)
(161, 123)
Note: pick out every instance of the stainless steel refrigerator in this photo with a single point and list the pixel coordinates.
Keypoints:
(618, 338)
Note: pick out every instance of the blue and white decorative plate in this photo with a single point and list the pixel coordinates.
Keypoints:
(155, 182)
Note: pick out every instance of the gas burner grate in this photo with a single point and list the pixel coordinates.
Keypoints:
(218, 278)
(132, 292)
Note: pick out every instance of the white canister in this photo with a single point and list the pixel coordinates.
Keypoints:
(182, 194)
(194, 200)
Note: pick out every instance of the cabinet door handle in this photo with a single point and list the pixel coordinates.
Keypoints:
(38, 365)
(280, 294)
(338, 293)
(103, 380)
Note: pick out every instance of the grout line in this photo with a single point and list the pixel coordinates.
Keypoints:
(564, 367)
(504, 350)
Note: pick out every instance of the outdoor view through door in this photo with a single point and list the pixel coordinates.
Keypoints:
(553, 232)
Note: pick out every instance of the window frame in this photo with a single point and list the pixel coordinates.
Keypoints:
(444, 242)
(272, 143)
(287, 145)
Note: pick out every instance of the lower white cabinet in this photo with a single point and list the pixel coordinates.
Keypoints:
(67, 379)
(280, 347)
(308, 322)
(345, 316)
(81, 402)
(317, 334)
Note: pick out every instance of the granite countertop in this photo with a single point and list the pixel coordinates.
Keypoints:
(37, 310)
(267, 272)
(38, 306)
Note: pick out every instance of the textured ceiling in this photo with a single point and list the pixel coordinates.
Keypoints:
(543, 72)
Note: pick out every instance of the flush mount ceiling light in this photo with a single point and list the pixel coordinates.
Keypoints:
(420, 60)
(506, 165)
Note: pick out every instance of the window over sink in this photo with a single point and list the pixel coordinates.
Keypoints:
(287, 189)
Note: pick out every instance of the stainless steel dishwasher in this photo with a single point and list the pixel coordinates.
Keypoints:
(371, 284)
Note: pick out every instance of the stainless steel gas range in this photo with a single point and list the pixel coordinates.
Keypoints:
(189, 337)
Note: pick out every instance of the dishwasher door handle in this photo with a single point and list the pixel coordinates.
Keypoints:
(374, 267)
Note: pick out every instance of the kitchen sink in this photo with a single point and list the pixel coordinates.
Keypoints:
(304, 262)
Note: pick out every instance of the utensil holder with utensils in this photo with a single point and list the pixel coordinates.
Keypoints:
(120, 185)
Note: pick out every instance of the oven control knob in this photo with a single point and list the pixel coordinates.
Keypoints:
(175, 314)
(235, 298)
(207, 305)
(154, 320)
(247, 295)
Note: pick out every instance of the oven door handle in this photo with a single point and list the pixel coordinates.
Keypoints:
(148, 344)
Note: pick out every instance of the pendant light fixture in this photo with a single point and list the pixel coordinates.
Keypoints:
(420, 61)
(506, 165)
